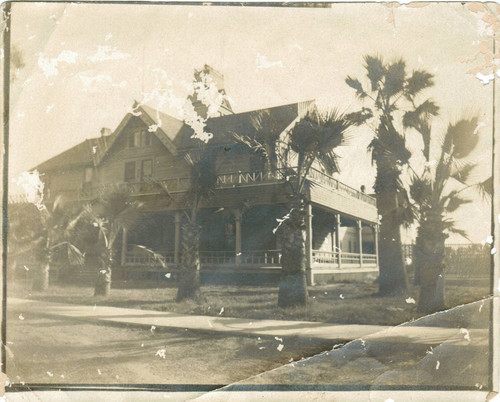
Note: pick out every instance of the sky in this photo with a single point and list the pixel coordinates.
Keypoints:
(85, 64)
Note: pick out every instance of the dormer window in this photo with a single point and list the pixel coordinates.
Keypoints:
(139, 138)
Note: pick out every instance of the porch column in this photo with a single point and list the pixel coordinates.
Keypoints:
(337, 239)
(309, 245)
(360, 241)
(237, 228)
(375, 235)
(177, 236)
(123, 256)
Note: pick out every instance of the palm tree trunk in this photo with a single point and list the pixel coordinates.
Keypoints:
(103, 282)
(189, 278)
(293, 282)
(393, 279)
(42, 277)
(430, 256)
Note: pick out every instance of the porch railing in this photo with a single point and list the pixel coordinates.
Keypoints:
(325, 257)
(217, 257)
(261, 257)
(332, 257)
(250, 257)
(132, 258)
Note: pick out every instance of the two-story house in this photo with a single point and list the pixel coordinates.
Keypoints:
(238, 219)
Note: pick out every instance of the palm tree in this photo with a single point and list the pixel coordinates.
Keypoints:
(312, 140)
(438, 192)
(391, 92)
(203, 180)
(110, 215)
(46, 234)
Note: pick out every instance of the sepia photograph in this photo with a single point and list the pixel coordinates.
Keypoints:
(239, 201)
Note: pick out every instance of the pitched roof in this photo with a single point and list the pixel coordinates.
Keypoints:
(241, 123)
(173, 133)
(85, 153)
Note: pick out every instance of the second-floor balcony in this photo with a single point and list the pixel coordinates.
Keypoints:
(234, 180)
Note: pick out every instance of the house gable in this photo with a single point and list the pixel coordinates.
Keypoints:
(145, 118)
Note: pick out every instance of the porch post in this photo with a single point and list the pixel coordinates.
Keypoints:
(309, 245)
(337, 239)
(375, 234)
(177, 236)
(123, 256)
(360, 241)
(237, 227)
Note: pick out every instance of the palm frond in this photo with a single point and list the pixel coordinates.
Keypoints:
(461, 171)
(461, 138)
(395, 78)
(75, 256)
(356, 85)
(375, 69)
(421, 190)
(417, 82)
(455, 202)
(486, 188)
(360, 117)
(329, 161)
(450, 226)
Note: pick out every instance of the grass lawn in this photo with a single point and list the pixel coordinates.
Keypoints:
(59, 350)
(342, 303)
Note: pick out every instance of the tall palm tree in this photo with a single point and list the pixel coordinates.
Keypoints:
(110, 215)
(392, 91)
(203, 180)
(438, 192)
(312, 140)
(47, 234)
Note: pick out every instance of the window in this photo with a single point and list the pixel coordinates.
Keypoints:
(139, 138)
(146, 169)
(129, 171)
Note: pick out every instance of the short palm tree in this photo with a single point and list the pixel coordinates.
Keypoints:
(110, 215)
(312, 141)
(438, 192)
(392, 91)
(46, 233)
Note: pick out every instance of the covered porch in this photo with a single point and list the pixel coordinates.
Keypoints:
(241, 240)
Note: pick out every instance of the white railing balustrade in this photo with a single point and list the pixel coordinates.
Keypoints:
(369, 259)
(250, 257)
(333, 183)
(325, 257)
(217, 257)
(261, 257)
(138, 258)
(350, 258)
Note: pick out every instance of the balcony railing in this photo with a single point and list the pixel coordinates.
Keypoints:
(229, 180)
(329, 181)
